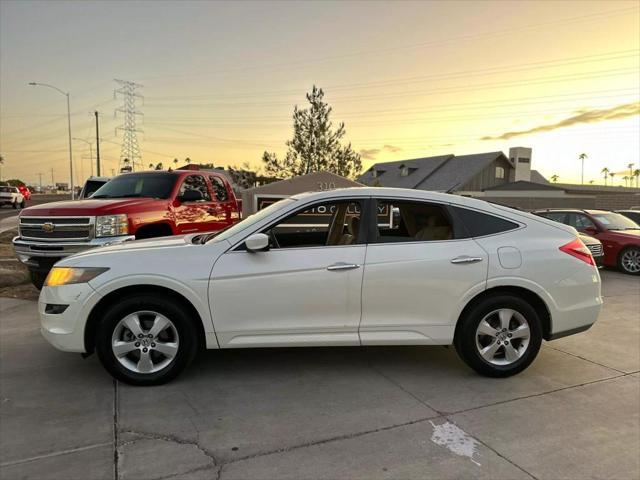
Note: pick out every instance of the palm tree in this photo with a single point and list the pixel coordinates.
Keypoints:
(151, 166)
(605, 172)
(175, 162)
(630, 167)
(636, 173)
(625, 178)
(591, 182)
(554, 178)
(1, 163)
(612, 174)
(582, 157)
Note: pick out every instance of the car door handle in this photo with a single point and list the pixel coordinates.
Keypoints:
(342, 266)
(466, 259)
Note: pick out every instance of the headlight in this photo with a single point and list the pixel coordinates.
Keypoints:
(67, 275)
(112, 225)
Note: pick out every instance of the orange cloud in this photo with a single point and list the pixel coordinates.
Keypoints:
(587, 116)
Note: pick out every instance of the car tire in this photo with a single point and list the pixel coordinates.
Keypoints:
(22, 204)
(499, 336)
(629, 261)
(37, 279)
(15, 205)
(142, 359)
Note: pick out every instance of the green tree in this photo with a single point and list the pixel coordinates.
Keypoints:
(16, 182)
(554, 178)
(605, 172)
(315, 146)
(636, 174)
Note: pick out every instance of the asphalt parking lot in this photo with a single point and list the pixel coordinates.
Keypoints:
(402, 412)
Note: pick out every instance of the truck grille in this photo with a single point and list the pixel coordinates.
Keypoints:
(56, 228)
(596, 250)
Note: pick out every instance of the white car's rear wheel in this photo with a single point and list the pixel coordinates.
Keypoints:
(146, 340)
(499, 336)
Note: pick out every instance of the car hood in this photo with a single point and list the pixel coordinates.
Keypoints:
(89, 207)
(626, 234)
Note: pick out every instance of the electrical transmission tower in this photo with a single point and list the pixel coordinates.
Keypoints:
(130, 155)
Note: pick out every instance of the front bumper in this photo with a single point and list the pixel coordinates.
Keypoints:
(65, 331)
(32, 253)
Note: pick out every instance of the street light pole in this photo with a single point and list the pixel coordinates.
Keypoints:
(66, 94)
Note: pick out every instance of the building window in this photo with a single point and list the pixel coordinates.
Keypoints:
(404, 171)
(499, 172)
(523, 160)
(374, 173)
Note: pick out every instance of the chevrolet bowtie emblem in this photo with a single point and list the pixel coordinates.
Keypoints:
(48, 227)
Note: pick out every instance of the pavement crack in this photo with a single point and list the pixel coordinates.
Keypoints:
(329, 440)
(116, 474)
(583, 358)
(168, 438)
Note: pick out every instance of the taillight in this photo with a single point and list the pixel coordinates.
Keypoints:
(577, 249)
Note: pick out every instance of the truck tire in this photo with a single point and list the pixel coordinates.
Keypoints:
(37, 278)
(15, 204)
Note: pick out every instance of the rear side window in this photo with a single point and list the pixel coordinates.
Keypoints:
(219, 188)
(402, 221)
(478, 224)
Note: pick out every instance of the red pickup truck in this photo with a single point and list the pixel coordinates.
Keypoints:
(129, 207)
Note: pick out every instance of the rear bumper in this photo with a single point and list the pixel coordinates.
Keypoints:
(41, 255)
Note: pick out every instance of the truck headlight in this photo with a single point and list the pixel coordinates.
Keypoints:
(67, 275)
(112, 225)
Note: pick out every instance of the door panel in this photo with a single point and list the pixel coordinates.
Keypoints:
(412, 291)
(295, 300)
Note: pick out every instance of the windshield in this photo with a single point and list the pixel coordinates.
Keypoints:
(154, 185)
(615, 221)
(251, 220)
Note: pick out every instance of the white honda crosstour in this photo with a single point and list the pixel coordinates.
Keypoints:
(359, 266)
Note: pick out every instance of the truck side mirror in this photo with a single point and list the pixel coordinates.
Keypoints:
(258, 242)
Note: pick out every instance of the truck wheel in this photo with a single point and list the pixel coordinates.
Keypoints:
(146, 340)
(38, 278)
(15, 205)
(629, 261)
(22, 204)
(499, 336)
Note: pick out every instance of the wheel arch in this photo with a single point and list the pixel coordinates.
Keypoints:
(116, 295)
(527, 295)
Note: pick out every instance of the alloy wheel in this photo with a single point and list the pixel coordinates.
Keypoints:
(502, 336)
(145, 342)
(631, 261)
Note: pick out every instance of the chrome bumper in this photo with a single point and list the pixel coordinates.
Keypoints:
(30, 251)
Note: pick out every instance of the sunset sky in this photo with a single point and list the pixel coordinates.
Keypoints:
(409, 79)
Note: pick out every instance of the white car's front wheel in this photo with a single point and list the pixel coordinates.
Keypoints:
(146, 340)
(499, 336)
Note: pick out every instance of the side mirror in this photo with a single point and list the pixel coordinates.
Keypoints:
(192, 196)
(258, 242)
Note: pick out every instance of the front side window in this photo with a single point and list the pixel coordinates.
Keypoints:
(197, 183)
(579, 221)
(219, 189)
(405, 221)
(326, 224)
(555, 216)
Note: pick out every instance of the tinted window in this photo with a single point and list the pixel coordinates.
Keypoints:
(327, 224)
(579, 221)
(635, 216)
(401, 221)
(197, 183)
(219, 189)
(137, 185)
(478, 224)
(555, 216)
(91, 186)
